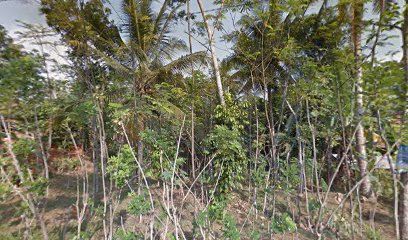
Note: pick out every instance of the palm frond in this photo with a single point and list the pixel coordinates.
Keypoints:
(186, 62)
(112, 62)
(160, 17)
(343, 10)
(169, 49)
(380, 6)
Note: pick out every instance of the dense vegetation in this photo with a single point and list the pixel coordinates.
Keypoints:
(136, 135)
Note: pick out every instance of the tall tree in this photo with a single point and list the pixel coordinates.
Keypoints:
(357, 9)
(403, 208)
(211, 43)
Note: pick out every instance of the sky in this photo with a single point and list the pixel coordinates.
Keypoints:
(28, 11)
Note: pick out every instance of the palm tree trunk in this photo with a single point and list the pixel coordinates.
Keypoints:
(216, 66)
(403, 208)
(357, 15)
(190, 44)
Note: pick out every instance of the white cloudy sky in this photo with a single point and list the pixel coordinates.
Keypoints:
(28, 11)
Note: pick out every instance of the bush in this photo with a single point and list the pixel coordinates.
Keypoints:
(65, 164)
(24, 147)
(230, 228)
(138, 205)
(283, 224)
(122, 166)
(122, 235)
(373, 234)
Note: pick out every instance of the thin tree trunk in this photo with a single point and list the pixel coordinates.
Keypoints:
(403, 201)
(192, 93)
(403, 206)
(216, 67)
(95, 160)
(28, 198)
(356, 29)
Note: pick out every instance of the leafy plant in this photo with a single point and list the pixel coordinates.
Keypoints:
(138, 204)
(24, 147)
(230, 228)
(121, 166)
(290, 176)
(230, 157)
(125, 235)
(283, 224)
(38, 186)
(162, 153)
(65, 164)
(373, 234)
(314, 205)
(255, 235)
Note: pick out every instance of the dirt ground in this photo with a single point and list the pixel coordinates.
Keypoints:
(60, 215)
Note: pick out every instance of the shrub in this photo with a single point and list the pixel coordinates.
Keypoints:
(122, 166)
(283, 224)
(230, 228)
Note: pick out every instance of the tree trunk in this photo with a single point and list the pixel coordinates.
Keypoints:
(95, 160)
(356, 22)
(216, 67)
(190, 44)
(403, 208)
(140, 147)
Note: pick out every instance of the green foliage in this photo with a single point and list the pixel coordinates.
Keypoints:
(65, 164)
(5, 191)
(122, 166)
(224, 142)
(24, 147)
(387, 95)
(289, 176)
(259, 174)
(288, 62)
(233, 114)
(314, 206)
(199, 221)
(124, 235)
(216, 209)
(255, 235)
(79, 113)
(373, 233)
(138, 204)
(9, 236)
(20, 81)
(38, 186)
(230, 157)
(162, 153)
(230, 230)
(382, 184)
(283, 224)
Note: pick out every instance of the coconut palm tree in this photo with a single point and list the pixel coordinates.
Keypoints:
(138, 45)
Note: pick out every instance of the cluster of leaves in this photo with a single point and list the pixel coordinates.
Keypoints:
(24, 147)
(225, 142)
(126, 235)
(162, 150)
(138, 204)
(65, 164)
(283, 224)
(230, 228)
(289, 177)
(38, 186)
(122, 166)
